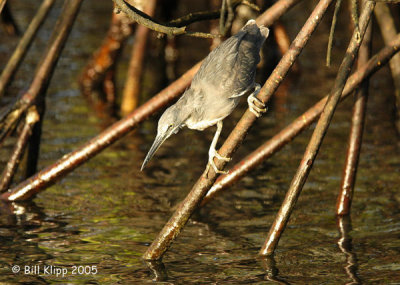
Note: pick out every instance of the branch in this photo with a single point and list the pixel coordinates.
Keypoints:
(8, 173)
(147, 21)
(189, 205)
(24, 44)
(317, 137)
(143, 19)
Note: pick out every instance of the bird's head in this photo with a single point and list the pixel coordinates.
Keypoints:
(169, 123)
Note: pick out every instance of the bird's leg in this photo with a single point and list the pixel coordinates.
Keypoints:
(252, 100)
(213, 153)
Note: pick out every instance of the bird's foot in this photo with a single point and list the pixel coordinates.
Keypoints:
(253, 101)
(213, 153)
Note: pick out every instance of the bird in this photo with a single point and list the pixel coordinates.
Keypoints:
(226, 74)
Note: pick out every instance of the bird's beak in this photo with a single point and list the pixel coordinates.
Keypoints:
(160, 138)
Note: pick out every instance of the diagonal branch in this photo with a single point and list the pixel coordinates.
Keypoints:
(189, 205)
(24, 44)
(8, 173)
(316, 140)
(69, 162)
(300, 123)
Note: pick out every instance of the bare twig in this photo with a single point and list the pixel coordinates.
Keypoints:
(332, 32)
(8, 173)
(173, 28)
(191, 202)
(194, 17)
(225, 24)
(206, 15)
(24, 44)
(145, 20)
(316, 140)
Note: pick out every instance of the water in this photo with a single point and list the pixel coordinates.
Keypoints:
(102, 217)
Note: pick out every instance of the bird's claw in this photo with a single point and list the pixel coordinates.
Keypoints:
(211, 162)
(252, 100)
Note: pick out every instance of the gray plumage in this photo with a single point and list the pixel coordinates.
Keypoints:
(226, 74)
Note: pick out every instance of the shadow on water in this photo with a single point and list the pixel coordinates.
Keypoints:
(106, 213)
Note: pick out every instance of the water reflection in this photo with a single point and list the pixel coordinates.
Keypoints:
(21, 225)
(269, 265)
(158, 270)
(345, 245)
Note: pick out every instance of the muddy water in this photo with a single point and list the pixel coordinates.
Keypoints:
(97, 222)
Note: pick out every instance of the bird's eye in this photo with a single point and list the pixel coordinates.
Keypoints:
(170, 126)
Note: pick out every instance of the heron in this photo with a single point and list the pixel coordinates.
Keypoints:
(226, 74)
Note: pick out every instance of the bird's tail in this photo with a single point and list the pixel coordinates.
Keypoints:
(252, 28)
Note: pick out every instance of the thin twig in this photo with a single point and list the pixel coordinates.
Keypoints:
(226, 24)
(316, 140)
(332, 32)
(194, 17)
(143, 19)
(24, 44)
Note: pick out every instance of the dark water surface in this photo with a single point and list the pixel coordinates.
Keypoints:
(107, 212)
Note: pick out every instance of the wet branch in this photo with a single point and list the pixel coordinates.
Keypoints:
(300, 123)
(28, 188)
(172, 229)
(48, 176)
(356, 133)
(316, 140)
(24, 44)
(31, 119)
(46, 67)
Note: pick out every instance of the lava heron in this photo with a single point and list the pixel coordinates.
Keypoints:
(226, 74)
